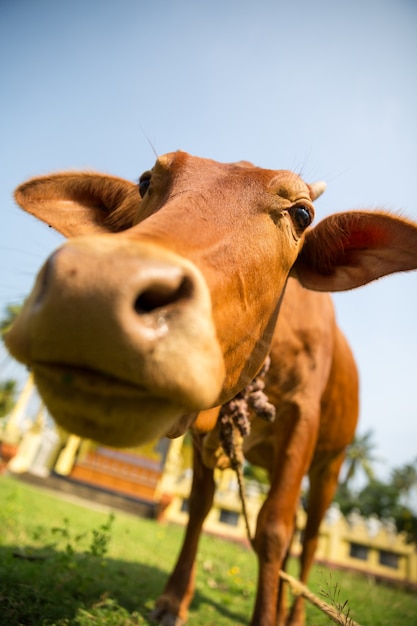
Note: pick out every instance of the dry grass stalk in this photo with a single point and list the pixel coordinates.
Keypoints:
(298, 589)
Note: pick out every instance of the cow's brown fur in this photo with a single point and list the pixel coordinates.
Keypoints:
(164, 308)
(312, 381)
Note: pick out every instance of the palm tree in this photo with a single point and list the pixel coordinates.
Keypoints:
(405, 478)
(359, 455)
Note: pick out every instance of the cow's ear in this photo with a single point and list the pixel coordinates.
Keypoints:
(347, 250)
(80, 203)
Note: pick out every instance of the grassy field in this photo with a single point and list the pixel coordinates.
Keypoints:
(63, 563)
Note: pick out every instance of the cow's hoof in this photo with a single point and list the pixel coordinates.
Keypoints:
(163, 616)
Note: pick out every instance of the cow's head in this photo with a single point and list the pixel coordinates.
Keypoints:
(165, 297)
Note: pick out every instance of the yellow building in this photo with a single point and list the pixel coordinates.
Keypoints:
(160, 474)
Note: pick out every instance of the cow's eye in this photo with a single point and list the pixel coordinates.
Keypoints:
(302, 217)
(144, 182)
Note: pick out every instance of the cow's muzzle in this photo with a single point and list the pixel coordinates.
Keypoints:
(120, 336)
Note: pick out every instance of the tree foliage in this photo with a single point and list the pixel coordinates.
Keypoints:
(10, 313)
(7, 396)
(386, 499)
(8, 387)
(378, 498)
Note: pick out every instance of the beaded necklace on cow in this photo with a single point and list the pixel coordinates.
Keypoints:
(234, 425)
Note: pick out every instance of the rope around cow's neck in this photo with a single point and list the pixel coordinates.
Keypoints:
(234, 425)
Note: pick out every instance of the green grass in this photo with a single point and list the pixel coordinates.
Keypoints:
(63, 564)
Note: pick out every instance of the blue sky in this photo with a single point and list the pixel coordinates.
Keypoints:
(327, 88)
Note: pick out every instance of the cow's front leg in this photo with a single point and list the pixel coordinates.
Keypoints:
(292, 455)
(324, 475)
(273, 536)
(171, 608)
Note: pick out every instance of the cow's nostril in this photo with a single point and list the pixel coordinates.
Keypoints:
(161, 295)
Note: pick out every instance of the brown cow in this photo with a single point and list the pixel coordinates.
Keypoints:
(312, 381)
(166, 302)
